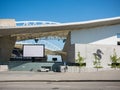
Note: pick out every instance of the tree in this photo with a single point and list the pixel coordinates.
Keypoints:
(97, 62)
(97, 59)
(80, 61)
(114, 59)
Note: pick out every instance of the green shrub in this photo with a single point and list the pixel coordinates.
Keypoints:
(80, 61)
(115, 60)
(97, 62)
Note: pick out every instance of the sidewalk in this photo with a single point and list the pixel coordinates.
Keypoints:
(20, 76)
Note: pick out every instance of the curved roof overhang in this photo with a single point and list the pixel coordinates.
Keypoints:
(60, 30)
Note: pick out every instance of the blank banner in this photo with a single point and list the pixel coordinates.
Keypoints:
(33, 50)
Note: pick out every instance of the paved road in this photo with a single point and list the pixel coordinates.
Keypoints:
(59, 85)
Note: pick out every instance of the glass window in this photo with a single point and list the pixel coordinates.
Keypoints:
(118, 43)
(118, 35)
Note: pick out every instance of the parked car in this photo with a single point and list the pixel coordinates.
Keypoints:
(43, 70)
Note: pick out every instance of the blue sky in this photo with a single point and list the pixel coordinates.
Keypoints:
(59, 10)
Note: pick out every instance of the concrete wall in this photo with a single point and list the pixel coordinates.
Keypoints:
(6, 42)
(7, 23)
(87, 50)
(6, 46)
(3, 68)
(69, 49)
(83, 69)
(106, 35)
(88, 41)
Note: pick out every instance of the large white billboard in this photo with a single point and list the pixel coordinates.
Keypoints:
(33, 50)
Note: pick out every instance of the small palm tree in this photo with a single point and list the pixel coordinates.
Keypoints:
(114, 59)
(97, 59)
(97, 62)
(80, 61)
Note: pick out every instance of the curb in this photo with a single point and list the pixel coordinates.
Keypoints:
(60, 81)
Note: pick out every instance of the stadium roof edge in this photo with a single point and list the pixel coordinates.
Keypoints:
(111, 20)
(62, 27)
(94, 21)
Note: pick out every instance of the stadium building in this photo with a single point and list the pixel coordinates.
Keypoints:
(91, 39)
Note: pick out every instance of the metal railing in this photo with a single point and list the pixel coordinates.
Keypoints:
(35, 23)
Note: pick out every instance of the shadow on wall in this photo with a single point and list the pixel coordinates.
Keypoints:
(98, 54)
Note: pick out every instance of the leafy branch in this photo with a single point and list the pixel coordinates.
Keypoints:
(80, 60)
(97, 61)
(114, 59)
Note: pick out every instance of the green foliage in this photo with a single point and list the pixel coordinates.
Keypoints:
(115, 59)
(97, 62)
(80, 60)
(98, 67)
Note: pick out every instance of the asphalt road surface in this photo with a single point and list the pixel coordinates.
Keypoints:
(59, 85)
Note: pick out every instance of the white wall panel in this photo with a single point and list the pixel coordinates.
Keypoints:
(103, 35)
(87, 50)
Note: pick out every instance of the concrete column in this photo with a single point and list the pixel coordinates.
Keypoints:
(6, 46)
(70, 50)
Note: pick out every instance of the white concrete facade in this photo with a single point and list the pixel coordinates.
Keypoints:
(88, 41)
(106, 35)
(87, 51)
